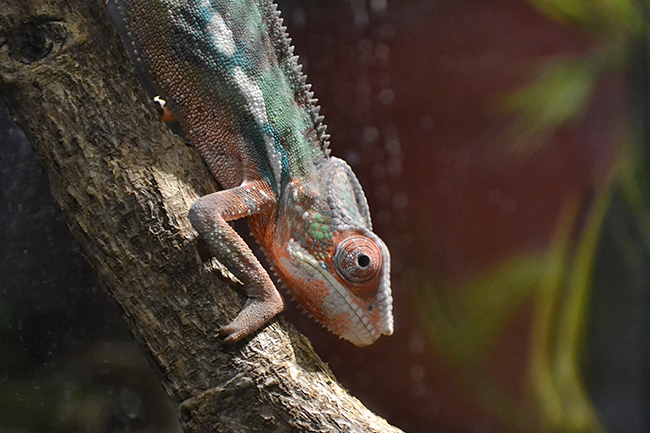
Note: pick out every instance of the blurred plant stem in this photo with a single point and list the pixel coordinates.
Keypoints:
(558, 324)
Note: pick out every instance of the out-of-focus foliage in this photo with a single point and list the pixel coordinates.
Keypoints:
(468, 321)
(562, 88)
(559, 94)
(616, 19)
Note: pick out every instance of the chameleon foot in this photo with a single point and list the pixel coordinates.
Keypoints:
(253, 316)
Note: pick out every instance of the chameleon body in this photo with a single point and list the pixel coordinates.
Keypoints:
(227, 69)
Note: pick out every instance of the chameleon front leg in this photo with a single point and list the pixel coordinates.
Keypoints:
(209, 216)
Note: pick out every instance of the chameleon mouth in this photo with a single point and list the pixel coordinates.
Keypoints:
(362, 331)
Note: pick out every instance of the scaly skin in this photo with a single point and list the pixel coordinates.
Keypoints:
(227, 70)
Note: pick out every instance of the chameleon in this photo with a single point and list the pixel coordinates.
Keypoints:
(227, 70)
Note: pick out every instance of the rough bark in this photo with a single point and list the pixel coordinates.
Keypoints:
(125, 185)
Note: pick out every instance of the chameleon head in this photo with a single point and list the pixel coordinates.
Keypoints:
(329, 258)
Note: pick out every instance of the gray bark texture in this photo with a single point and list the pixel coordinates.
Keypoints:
(125, 184)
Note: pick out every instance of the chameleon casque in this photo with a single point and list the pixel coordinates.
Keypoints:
(227, 70)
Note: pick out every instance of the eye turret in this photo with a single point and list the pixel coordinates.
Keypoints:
(358, 259)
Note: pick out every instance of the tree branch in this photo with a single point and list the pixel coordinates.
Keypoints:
(125, 184)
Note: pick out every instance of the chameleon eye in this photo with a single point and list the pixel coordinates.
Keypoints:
(357, 259)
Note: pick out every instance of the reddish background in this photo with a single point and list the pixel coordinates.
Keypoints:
(445, 195)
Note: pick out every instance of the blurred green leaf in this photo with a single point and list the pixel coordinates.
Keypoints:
(560, 94)
(613, 18)
(562, 89)
(467, 321)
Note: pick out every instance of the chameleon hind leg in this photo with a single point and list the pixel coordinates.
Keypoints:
(209, 216)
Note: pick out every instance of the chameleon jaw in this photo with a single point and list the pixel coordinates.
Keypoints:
(338, 311)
